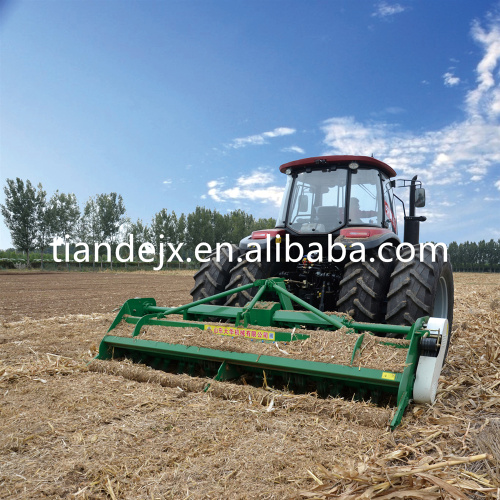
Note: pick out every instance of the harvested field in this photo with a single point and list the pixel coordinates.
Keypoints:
(122, 431)
(59, 294)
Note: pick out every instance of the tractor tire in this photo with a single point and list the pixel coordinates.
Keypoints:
(364, 286)
(419, 288)
(242, 274)
(213, 276)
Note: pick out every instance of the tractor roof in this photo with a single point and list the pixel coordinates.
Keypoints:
(345, 159)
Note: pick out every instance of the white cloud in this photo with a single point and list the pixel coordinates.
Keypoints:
(259, 139)
(450, 80)
(461, 152)
(277, 132)
(167, 181)
(258, 186)
(486, 95)
(346, 136)
(293, 149)
(497, 184)
(385, 10)
(256, 178)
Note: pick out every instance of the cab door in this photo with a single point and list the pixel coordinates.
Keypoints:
(391, 221)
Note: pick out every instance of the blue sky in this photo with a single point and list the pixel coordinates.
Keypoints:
(175, 104)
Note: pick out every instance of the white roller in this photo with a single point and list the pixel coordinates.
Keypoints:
(429, 368)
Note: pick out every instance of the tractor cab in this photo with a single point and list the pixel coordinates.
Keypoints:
(325, 194)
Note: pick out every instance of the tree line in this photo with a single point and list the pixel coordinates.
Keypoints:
(471, 256)
(34, 219)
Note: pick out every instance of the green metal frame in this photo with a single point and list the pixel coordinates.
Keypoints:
(329, 379)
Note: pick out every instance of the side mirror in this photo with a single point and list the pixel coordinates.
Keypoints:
(420, 197)
(303, 203)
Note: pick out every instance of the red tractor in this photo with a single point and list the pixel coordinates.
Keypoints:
(332, 207)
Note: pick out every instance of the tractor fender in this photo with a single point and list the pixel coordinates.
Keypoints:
(261, 238)
(248, 242)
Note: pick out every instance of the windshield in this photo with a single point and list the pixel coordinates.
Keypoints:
(317, 201)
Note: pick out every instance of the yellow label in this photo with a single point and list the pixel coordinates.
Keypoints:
(246, 333)
(389, 376)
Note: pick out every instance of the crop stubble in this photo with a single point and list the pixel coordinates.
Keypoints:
(65, 430)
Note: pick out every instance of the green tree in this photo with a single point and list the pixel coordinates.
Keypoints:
(141, 234)
(491, 254)
(269, 223)
(20, 214)
(220, 227)
(239, 226)
(454, 254)
(482, 258)
(90, 231)
(89, 227)
(103, 216)
(200, 228)
(66, 214)
(46, 221)
(111, 212)
(163, 229)
(180, 235)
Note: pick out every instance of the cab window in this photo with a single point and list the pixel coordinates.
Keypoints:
(365, 198)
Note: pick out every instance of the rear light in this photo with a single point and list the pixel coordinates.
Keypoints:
(355, 233)
(262, 235)
(362, 232)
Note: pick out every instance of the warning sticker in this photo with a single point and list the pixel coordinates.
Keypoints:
(241, 332)
(389, 376)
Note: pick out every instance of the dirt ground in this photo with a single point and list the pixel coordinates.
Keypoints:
(45, 295)
(69, 432)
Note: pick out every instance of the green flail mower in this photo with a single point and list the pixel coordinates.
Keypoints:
(424, 346)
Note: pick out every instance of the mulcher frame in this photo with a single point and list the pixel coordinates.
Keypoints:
(328, 378)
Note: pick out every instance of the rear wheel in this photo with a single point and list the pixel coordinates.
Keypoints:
(419, 288)
(213, 276)
(364, 286)
(242, 274)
